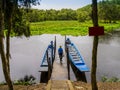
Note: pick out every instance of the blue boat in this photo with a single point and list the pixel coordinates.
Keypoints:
(75, 57)
(48, 56)
(47, 62)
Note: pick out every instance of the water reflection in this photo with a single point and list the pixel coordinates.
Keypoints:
(28, 52)
(111, 38)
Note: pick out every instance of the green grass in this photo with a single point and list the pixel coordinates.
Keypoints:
(74, 28)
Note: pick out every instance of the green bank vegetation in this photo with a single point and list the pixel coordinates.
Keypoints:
(112, 79)
(65, 21)
(26, 80)
(74, 28)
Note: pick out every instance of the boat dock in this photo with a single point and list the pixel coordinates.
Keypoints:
(59, 71)
(57, 74)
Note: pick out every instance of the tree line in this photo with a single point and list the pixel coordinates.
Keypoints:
(108, 10)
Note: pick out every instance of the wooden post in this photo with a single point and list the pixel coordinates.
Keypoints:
(65, 43)
(49, 66)
(43, 77)
(49, 69)
(95, 45)
(52, 52)
(54, 47)
(68, 66)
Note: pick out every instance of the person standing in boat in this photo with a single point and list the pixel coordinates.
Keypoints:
(60, 52)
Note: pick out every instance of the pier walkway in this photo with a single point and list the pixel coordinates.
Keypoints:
(59, 78)
(59, 69)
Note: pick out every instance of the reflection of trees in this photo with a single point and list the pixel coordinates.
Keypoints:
(110, 36)
(105, 39)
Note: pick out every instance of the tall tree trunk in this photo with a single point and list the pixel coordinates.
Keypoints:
(95, 45)
(8, 42)
(2, 53)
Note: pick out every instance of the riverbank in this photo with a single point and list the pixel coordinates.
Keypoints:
(73, 28)
(77, 86)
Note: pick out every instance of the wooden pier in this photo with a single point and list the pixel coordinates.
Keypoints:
(57, 74)
(59, 71)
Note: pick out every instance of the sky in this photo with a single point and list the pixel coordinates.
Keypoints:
(59, 4)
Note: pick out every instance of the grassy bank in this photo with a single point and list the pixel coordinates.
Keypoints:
(74, 28)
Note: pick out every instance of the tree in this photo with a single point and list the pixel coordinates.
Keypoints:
(2, 52)
(107, 13)
(84, 13)
(95, 45)
(7, 7)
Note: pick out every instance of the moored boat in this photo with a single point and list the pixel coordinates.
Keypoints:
(75, 57)
(48, 55)
(47, 63)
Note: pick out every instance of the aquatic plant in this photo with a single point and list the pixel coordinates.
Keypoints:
(112, 79)
(27, 80)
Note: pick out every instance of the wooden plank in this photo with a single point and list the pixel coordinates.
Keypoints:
(70, 85)
(49, 85)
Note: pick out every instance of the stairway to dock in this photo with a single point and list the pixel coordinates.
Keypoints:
(59, 85)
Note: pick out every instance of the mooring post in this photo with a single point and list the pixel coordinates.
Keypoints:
(49, 69)
(65, 43)
(49, 66)
(54, 47)
(68, 66)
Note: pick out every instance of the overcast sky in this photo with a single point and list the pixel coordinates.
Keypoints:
(59, 4)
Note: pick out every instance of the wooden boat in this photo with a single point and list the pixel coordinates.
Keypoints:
(48, 56)
(75, 57)
(47, 63)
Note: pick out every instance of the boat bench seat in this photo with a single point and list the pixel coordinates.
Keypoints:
(76, 59)
(43, 69)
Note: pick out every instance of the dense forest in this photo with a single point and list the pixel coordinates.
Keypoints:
(108, 10)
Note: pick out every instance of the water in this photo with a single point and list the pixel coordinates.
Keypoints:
(28, 52)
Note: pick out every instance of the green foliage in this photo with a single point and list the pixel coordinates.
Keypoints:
(52, 14)
(74, 28)
(27, 80)
(112, 79)
(109, 11)
(20, 23)
(59, 27)
(105, 12)
(84, 13)
(3, 83)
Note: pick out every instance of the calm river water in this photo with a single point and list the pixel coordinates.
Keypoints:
(28, 52)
